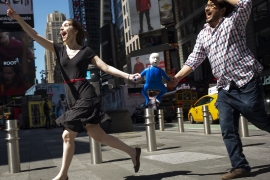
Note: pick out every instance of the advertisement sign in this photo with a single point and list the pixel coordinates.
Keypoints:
(23, 7)
(166, 12)
(17, 65)
(138, 63)
(144, 16)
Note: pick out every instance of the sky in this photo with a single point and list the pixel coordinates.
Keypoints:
(41, 10)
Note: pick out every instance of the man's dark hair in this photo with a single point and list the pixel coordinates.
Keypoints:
(229, 7)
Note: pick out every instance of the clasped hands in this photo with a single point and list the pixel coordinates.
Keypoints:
(137, 78)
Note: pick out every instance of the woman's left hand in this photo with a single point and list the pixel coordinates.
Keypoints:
(135, 77)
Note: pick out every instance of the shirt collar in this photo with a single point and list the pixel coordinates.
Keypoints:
(207, 26)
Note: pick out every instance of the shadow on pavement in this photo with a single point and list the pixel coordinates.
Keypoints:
(158, 176)
(36, 169)
(261, 170)
(258, 135)
(116, 160)
(176, 147)
(257, 144)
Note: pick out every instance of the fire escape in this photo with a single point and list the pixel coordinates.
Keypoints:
(79, 12)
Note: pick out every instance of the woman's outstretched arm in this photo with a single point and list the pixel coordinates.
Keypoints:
(113, 71)
(47, 44)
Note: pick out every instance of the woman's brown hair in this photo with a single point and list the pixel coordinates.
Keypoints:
(82, 37)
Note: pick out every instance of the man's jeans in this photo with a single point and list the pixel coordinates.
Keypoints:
(247, 100)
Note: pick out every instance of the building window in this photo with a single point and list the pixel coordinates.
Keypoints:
(137, 42)
(134, 47)
(186, 50)
(263, 37)
(261, 10)
(125, 23)
(265, 61)
(124, 10)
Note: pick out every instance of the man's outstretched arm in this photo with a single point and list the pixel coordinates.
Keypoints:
(232, 2)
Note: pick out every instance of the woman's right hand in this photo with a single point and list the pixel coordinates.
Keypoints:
(11, 13)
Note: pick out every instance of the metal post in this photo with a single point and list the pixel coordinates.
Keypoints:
(180, 118)
(95, 149)
(13, 146)
(206, 123)
(150, 129)
(161, 119)
(243, 126)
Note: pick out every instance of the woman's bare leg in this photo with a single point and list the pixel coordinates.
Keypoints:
(68, 152)
(95, 131)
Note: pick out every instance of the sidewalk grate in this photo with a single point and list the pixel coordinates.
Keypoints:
(182, 157)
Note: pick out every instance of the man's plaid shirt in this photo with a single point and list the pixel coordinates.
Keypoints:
(225, 47)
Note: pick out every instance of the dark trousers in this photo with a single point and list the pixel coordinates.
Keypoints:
(48, 121)
(146, 12)
(248, 101)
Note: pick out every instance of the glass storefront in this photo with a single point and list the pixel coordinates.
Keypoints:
(266, 92)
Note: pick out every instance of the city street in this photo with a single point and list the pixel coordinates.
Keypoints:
(190, 155)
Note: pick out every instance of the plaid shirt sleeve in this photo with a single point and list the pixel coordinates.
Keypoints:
(241, 14)
(198, 55)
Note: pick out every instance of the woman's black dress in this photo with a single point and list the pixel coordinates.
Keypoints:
(84, 104)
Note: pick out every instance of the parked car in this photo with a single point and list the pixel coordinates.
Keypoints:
(168, 112)
(195, 113)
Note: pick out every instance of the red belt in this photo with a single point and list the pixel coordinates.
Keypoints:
(74, 80)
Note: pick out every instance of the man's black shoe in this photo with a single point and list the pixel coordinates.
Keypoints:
(150, 28)
(140, 31)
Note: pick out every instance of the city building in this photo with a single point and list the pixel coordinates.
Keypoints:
(54, 22)
(118, 21)
(258, 40)
(87, 12)
(145, 34)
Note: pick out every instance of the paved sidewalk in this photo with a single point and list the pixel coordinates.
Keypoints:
(185, 156)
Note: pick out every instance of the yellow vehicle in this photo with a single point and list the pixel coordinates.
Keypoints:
(195, 113)
(183, 98)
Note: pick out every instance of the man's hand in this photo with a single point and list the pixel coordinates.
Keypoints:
(173, 81)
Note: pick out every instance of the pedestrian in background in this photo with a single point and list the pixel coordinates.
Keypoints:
(223, 42)
(47, 110)
(62, 105)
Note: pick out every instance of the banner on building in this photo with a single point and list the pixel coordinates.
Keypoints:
(166, 12)
(23, 7)
(138, 63)
(17, 65)
(144, 16)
